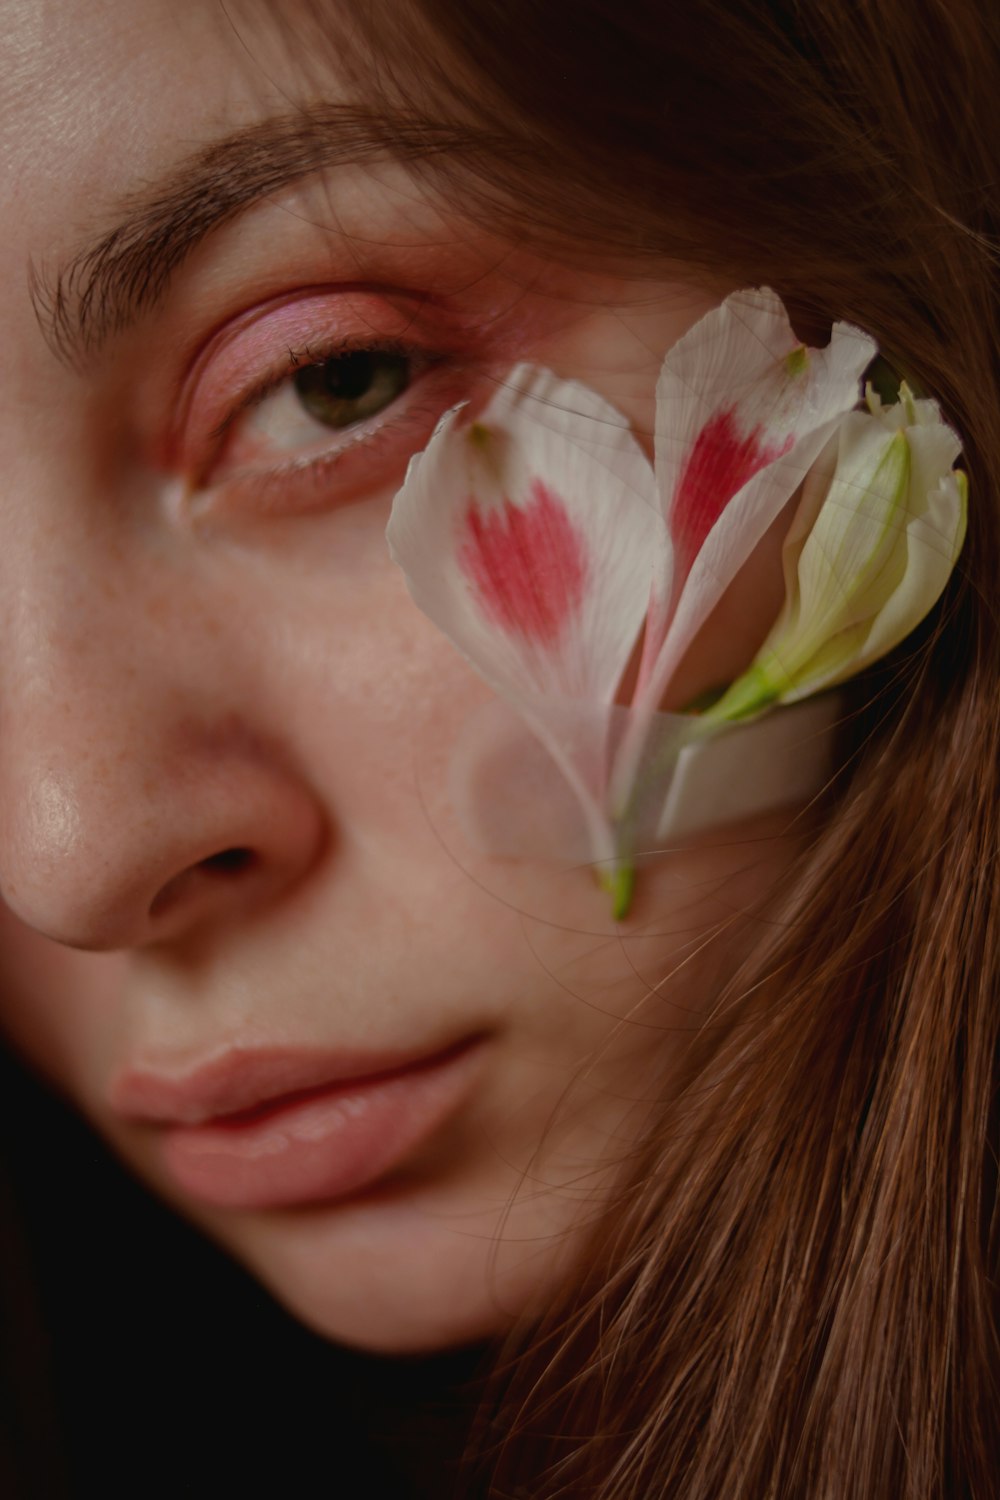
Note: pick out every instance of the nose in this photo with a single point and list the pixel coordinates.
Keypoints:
(100, 855)
(138, 804)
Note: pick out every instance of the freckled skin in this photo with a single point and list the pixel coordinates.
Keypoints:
(176, 686)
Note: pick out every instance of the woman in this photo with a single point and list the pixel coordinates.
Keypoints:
(422, 1091)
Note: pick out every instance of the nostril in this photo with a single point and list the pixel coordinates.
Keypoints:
(226, 863)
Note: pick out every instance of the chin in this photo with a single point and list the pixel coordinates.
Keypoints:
(399, 1278)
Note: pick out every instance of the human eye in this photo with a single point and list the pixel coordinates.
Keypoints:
(334, 393)
(293, 428)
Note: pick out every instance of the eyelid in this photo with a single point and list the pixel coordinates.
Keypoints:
(257, 347)
(299, 359)
(436, 384)
(331, 477)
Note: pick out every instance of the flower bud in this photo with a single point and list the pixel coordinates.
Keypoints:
(874, 541)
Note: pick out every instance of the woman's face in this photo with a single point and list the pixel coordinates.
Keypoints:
(242, 929)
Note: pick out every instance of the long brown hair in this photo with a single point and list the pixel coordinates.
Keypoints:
(795, 1292)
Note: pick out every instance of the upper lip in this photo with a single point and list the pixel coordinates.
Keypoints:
(248, 1078)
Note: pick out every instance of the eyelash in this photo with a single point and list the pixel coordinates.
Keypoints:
(379, 445)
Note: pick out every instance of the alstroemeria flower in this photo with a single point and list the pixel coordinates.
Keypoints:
(875, 539)
(541, 541)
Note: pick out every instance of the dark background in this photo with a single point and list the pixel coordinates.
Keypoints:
(136, 1360)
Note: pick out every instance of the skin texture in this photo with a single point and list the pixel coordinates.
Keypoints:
(191, 664)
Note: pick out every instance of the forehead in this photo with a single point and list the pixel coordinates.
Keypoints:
(109, 105)
(100, 97)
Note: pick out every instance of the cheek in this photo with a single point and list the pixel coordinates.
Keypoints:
(347, 675)
(59, 1008)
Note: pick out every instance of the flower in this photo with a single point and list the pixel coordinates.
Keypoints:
(541, 540)
(876, 536)
(743, 409)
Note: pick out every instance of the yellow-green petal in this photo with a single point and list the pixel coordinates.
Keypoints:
(867, 557)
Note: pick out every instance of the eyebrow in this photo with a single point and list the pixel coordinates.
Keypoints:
(111, 282)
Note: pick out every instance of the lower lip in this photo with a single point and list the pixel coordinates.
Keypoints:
(324, 1146)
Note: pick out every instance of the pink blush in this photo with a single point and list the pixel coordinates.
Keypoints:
(527, 565)
(720, 463)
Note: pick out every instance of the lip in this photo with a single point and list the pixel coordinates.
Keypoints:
(284, 1128)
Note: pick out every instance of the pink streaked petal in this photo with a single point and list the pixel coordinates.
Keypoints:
(745, 360)
(722, 460)
(740, 402)
(743, 411)
(725, 550)
(730, 542)
(528, 537)
(738, 391)
(527, 564)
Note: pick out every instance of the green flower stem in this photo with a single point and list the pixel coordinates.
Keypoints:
(619, 882)
(748, 696)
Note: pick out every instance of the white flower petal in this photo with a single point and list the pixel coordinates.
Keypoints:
(532, 554)
(743, 411)
(528, 536)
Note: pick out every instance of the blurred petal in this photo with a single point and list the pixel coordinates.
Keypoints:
(781, 760)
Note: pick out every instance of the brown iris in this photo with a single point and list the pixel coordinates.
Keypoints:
(347, 388)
